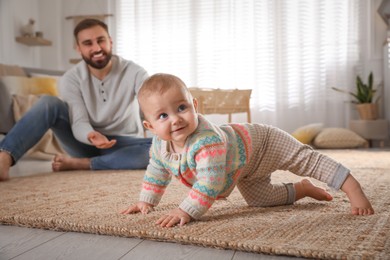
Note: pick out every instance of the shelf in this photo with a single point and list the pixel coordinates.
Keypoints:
(33, 41)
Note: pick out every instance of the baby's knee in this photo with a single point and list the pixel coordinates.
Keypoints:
(265, 194)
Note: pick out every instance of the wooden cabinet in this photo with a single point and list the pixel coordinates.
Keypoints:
(371, 129)
(33, 41)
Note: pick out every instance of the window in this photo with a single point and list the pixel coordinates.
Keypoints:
(289, 52)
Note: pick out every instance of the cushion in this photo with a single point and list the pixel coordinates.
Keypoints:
(338, 138)
(18, 85)
(306, 133)
(48, 145)
(42, 75)
(44, 85)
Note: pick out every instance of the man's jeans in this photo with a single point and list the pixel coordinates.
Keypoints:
(52, 113)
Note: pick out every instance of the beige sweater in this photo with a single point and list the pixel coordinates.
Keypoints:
(109, 106)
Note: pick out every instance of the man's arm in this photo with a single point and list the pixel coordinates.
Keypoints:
(70, 91)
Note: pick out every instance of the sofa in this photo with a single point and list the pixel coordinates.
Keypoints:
(22, 81)
(20, 88)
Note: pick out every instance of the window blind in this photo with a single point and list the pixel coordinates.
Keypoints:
(288, 52)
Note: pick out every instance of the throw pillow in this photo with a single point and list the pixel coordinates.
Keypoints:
(21, 86)
(44, 85)
(307, 133)
(338, 138)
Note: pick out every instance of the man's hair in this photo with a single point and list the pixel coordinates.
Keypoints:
(88, 23)
(159, 83)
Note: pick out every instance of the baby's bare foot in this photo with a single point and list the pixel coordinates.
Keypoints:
(360, 205)
(64, 163)
(5, 164)
(305, 188)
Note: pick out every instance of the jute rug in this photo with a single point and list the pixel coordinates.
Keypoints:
(90, 202)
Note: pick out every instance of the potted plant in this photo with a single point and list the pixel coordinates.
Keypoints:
(364, 98)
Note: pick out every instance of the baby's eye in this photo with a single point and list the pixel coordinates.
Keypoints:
(182, 108)
(162, 116)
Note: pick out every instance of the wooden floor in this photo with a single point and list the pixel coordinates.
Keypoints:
(28, 243)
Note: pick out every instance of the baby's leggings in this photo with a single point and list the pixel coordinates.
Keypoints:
(274, 149)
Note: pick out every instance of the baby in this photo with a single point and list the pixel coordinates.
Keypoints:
(211, 160)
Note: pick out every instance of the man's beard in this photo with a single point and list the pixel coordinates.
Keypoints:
(98, 64)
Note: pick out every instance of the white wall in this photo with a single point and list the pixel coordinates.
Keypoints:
(386, 67)
(12, 19)
(376, 38)
(50, 18)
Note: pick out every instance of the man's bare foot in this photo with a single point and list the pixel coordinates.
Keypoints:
(63, 163)
(360, 205)
(5, 164)
(305, 188)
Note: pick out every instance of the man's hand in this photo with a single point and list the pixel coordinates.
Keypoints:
(176, 216)
(140, 206)
(100, 141)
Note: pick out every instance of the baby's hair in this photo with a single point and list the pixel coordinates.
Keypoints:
(159, 83)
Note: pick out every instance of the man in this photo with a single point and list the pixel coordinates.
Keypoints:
(97, 120)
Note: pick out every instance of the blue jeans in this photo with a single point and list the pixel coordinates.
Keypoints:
(52, 113)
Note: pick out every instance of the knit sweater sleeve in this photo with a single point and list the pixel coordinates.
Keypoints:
(70, 86)
(208, 155)
(156, 177)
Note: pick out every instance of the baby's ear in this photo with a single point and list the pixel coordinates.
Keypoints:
(195, 102)
(148, 126)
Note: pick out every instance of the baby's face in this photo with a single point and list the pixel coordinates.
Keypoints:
(172, 116)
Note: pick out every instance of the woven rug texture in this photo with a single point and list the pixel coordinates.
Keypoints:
(85, 201)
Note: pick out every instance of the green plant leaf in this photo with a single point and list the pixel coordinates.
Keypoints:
(364, 92)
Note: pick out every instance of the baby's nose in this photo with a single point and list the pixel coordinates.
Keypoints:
(176, 119)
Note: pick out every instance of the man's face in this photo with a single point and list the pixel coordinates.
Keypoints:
(95, 46)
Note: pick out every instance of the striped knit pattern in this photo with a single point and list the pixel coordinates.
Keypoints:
(216, 159)
(210, 165)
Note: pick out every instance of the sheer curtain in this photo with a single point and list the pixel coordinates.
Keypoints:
(289, 52)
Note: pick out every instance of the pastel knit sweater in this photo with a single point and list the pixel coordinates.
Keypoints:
(211, 163)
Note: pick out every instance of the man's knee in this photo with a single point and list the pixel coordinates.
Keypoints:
(51, 105)
(50, 101)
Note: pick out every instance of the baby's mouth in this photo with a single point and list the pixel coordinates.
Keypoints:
(178, 129)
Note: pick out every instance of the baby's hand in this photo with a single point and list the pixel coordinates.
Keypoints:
(140, 206)
(174, 217)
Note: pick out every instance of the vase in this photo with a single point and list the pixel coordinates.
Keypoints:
(367, 111)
